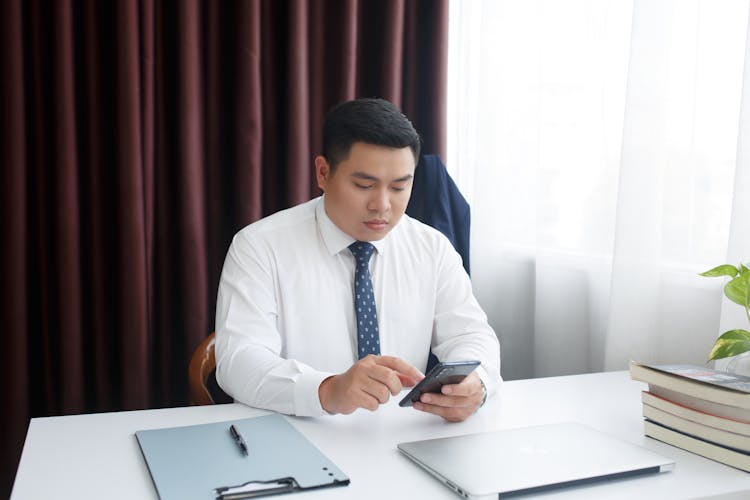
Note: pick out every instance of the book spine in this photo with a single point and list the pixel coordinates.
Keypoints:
(699, 412)
(701, 447)
(710, 392)
(700, 431)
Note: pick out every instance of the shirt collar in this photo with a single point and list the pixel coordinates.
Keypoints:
(334, 238)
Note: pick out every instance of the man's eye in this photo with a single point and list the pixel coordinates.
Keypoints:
(398, 189)
(363, 186)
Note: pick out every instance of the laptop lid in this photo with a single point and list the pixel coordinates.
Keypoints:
(530, 459)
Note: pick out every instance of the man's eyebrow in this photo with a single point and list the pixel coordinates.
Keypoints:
(404, 178)
(364, 176)
(368, 177)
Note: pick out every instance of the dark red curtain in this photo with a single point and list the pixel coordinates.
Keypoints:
(137, 137)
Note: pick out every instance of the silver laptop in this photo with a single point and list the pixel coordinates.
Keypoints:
(530, 459)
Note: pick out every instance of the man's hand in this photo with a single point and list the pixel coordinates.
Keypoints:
(369, 383)
(456, 402)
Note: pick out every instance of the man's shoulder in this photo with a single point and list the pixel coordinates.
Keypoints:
(284, 229)
(283, 221)
(417, 228)
(417, 232)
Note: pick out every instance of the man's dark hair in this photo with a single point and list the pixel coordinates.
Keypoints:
(372, 121)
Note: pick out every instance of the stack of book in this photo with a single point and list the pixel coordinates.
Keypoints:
(698, 409)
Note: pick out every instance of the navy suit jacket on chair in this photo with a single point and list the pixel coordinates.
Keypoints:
(436, 201)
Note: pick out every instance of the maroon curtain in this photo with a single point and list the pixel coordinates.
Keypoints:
(137, 138)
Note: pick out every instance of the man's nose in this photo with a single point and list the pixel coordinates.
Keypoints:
(380, 201)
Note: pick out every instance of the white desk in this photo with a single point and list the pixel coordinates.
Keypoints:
(97, 456)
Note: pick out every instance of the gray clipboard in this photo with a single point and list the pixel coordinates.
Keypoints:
(204, 462)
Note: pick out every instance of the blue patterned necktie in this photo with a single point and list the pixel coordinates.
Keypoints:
(368, 338)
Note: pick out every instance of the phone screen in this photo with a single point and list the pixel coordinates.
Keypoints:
(446, 372)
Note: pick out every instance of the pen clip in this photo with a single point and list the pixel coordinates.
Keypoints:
(238, 439)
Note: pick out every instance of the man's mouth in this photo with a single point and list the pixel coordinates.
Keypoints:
(376, 224)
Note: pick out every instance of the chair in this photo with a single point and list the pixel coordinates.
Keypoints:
(202, 375)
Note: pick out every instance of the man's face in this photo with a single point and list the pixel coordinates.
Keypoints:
(368, 192)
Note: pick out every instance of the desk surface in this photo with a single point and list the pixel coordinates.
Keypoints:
(97, 456)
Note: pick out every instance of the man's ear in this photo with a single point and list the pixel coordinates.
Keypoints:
(322, 172)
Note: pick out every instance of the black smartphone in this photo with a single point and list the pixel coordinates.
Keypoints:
(445, 372)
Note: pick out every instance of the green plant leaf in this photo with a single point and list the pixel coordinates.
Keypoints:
(737, 290)
(745, 275)
(729, 344)
(723, 270)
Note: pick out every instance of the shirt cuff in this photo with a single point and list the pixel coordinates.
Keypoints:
(490, 383)
(306, 397)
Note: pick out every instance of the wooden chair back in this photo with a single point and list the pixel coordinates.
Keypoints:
(202, 366)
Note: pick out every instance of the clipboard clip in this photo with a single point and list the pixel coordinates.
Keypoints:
(253, 489)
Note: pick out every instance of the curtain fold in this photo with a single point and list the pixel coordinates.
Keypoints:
(137, 138)
(634, 296)
(738, 247)
(15, 289)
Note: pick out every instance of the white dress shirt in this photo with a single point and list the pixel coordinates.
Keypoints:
(285, 316)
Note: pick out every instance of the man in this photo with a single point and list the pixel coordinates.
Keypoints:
(291, 330)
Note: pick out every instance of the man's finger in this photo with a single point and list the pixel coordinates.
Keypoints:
(469, 386)
(378, 390)
(407, 381)
(449, 413)
(444, 401)
(400, 366)
(387, 377)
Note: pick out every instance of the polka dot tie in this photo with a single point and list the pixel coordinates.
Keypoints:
(368, 338)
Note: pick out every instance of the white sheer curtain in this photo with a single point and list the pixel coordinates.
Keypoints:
(605, 149)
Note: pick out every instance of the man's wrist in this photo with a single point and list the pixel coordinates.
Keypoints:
(323, 393)
(484, 393)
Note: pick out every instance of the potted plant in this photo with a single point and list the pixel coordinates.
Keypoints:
(733, 342)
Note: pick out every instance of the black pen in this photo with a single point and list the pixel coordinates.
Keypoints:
(238, 438)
